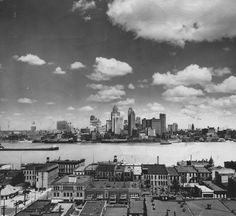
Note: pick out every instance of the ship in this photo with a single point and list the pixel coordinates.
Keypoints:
(165, 142)
(53, 148)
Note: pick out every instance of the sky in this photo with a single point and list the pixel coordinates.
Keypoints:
(67, 60)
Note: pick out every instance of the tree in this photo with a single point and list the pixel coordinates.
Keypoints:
(211, 162)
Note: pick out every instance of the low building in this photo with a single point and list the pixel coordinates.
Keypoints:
(203, 174)
(203, 191)
(90, 169)
(155, 176)
(172, 175)
(187, 174)
(232, 187)
(8, 192)
(79, 171)
(136, 208)
(63, 209)
(70, 188)
(105, 171)
(116, 211)
(67, 167)
(46, 175)
(218, 191)
(137, 172)
(95, 208)
(112, 192)
(222, 176)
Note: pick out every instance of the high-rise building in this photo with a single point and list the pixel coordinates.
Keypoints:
(116, 121)
(175, 127)
(95, 123)
(163, 122)
(63, 125)
(131, 121)
(108, 125)
(170, 128)
(156, 125)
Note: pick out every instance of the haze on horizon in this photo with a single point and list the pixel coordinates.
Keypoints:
(68, 60)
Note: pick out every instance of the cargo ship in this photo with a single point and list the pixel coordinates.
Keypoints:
(53, 148)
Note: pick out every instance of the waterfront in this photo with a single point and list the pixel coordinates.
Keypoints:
(130, 153)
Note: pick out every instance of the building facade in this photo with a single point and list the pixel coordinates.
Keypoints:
(131, 121)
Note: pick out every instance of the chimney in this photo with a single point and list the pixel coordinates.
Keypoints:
(48, 159)
(158, 160)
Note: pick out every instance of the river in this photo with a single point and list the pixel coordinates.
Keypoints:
(128, 152)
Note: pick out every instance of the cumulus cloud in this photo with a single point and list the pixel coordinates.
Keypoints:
(190, 111)
(59, 71)
(30, 59)
(131, 86)
(127, 102)
(221, 71)
(26, 101)
(181, 93)
(227, 86)
(106, 93)
(77, 65)
(175, 21)
(70, 108)
(86, 108)
(83, 5)
(191, 75)
(155, 107)
(105, 69)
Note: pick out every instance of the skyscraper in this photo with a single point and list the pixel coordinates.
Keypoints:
(131, 121)
(163, 122)
(116, 121)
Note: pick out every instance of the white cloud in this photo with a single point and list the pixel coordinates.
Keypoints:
(181, 93)
(70, 108)
(59, 71)
(86, 108)
(223, 102)
(226, 49)
(3, 100)
(155, 107)
(127, 102)
(175, 21)
(50, 103)
(26, 101)
(191, 75)
(30, 59)
(77, 65)
(17, 114)
(227, 86)
(131, 86)
(190, 111)
(221, 71)
(106, 93)
(105, 69)
(83, 5)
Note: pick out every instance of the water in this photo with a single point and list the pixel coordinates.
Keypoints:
(129, 152)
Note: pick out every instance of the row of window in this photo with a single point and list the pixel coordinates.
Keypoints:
(56, 188)
(57, 194)
(151, 177)
(159, 183)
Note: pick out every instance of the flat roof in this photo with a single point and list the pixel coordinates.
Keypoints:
(199, 207)
(202, 170)
(204, 189)
(136, 207)
(67, 161)
(116, 211)
(65, 207)
(79, 180)
(92, 208)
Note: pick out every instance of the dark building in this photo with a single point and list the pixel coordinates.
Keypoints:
(230, 164)
(105, 171)
(131, 121)
(66, 167)
(232, 187)
(163, 122)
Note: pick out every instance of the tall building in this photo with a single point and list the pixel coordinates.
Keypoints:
(163, 122)
(131, 121)
(175, 127)
(156, 125)
(170, 128)
(108, 125)
(116, 121)
(95, 123)
(63, 125)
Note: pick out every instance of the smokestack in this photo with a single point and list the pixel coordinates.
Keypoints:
(158, 159)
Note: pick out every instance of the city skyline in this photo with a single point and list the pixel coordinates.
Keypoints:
(75, 59)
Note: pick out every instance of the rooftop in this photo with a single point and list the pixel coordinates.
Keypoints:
(93, 208)
(67, 161)
(91, 167)
(199, 207)
(48, 167)
(202, 170)
(213, 186)
(204, 189)
(105, 167)
(65, 207)
(136, 207)
(79, 180)
(116, 211)
(158, 169)
(185, 169)
(171, 171)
